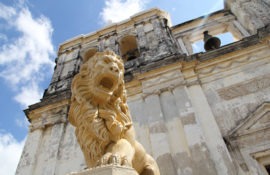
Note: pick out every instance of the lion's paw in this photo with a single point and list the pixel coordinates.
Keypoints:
(113, 159)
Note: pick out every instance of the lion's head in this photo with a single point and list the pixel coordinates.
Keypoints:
(98, 107)
(103, 75)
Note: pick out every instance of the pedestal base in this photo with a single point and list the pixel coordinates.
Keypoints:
(107, 170)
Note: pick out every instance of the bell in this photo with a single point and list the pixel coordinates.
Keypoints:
(210, 42)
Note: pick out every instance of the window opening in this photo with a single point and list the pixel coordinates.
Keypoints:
(129, 49)
(225, 38)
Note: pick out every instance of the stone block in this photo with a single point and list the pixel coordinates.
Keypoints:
(107, 170)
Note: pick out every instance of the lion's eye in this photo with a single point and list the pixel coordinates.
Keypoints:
(106, 60)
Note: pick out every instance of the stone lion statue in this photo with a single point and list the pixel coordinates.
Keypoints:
(101, 116)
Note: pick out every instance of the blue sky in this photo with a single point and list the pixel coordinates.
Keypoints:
(30, 34)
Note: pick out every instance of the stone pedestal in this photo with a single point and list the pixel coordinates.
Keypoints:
(107, 170)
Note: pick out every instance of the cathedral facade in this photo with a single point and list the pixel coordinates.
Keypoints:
(195, 113)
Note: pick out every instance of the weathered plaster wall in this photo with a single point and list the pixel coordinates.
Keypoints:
(171, 133)
(234, 90)
(51, 146)
(238, 86)
(181, 130)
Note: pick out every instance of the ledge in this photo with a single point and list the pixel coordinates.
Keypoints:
(107, 170)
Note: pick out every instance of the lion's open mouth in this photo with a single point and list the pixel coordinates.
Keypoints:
(106, 83)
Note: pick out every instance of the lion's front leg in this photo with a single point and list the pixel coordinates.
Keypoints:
(118, 153)
(115, 127)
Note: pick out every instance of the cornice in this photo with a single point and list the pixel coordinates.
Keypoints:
(114, 28)
(35, 114)
(48, 102)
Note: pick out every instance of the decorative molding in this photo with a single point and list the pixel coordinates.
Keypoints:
(226, 65)
(251, 138)
(160, 91)
(257, 121)
(193, 82)
(162, 78)
(245, 88)
(48, 117)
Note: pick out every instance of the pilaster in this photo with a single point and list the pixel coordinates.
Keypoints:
(210, 129)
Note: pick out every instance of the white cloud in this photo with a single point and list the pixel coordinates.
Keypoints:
(26, 60)
(117, 10)
(6, 12)
(29, 94)
(10, 152)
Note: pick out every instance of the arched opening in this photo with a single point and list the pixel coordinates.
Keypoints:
(88, 54)
(129, 48)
